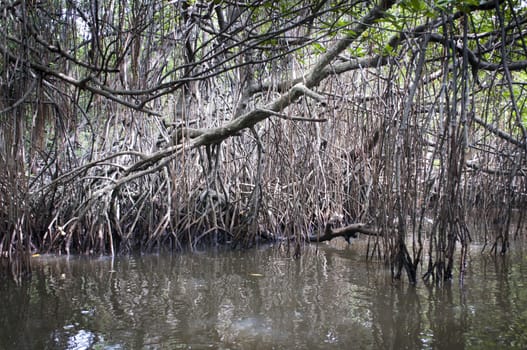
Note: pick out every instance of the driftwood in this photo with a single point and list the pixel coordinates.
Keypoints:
(347, 232)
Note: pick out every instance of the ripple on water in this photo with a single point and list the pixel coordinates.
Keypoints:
(260, 299)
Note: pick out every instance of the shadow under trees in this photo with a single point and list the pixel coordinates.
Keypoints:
(155, 125)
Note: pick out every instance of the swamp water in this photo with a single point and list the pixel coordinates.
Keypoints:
(261, 299)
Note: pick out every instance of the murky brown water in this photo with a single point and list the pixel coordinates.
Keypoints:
(260, 299)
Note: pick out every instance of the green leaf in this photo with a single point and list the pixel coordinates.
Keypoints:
(417, 5)
(357, 52)
(318, 48)
(388, 50)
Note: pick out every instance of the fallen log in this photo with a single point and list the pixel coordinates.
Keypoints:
(347, 232)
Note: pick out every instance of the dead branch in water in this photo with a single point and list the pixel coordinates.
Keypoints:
(347, 232)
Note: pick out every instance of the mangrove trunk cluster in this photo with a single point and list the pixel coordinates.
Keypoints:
(153, 125)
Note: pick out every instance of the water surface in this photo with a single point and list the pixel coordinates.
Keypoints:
(261, 299)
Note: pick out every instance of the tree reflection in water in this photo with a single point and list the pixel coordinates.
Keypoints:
(260, 299)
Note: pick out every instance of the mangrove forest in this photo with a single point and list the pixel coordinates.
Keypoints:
(153, 125)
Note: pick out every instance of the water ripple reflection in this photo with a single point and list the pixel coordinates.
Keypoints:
(329, 298)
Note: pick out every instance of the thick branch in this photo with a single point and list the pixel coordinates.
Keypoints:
(381, 60)
(84, 83)
(315, 75)
(312, 79)
(476, 61)
(501, 134)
